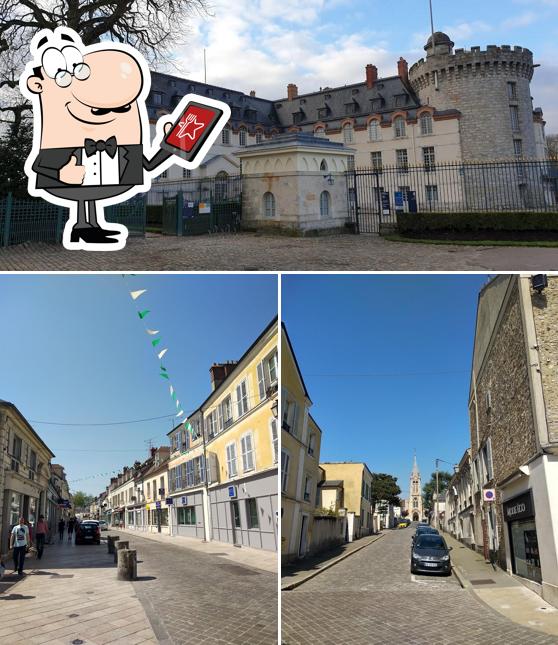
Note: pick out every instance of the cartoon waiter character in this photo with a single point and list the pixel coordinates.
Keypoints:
(90, 127)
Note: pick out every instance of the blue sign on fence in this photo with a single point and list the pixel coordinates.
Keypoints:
(398, 196)
(157, 504)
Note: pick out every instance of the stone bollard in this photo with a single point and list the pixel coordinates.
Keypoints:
(127, 565)
(121, 544)
(111, 540)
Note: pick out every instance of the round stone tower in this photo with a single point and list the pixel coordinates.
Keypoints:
(491, 89)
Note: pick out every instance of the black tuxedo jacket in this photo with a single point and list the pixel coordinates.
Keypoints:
(131, 164)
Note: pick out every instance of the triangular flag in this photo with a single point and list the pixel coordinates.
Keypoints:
(177, 403)
(136, 294)
(143, 314)
(171, 390)
(162, 353)
(163, 368)
(152, 332)
(164, 375)
(155, 342)
(174, 395)
(180, 413)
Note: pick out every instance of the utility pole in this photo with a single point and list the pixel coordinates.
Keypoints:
(437, 494)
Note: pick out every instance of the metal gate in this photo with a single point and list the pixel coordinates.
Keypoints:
(367, 205)
(199, 206)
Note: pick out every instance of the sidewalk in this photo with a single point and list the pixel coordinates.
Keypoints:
(293, 575)
(72, 594)
(245, 556)
(500, 591)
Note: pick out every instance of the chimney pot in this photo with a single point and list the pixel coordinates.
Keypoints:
(371, 76)
(252, 92)
(292, 91)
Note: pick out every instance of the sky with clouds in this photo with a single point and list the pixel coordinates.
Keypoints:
(262, 45)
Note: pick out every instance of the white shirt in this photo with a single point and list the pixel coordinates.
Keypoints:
(100, 169)
(21, 535)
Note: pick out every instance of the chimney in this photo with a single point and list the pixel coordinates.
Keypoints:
(252, 92)
(403, 69)
(153, 451)
(219, 372)
(371, 76)
(292, 91)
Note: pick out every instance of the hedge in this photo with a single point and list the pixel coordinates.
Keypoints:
(442, 223)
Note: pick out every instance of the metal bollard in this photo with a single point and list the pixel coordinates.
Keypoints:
(111, 540)
(121, 544)
(127, 565)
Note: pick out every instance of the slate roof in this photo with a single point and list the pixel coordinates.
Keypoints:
(387, 95)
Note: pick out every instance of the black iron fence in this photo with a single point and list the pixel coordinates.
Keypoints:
(35, 220)
(377, 194)
(197, 205)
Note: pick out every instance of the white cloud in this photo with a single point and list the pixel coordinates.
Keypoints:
(522, 20)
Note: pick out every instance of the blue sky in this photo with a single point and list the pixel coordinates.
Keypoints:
(264, 44)
(74, 350)
(386, 360)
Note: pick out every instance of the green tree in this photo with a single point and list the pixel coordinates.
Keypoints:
(81, 499)
(384, 488)
(429, 489)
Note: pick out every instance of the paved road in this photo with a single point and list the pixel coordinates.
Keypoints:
(372, 598)
(193, 598)
(253, 252)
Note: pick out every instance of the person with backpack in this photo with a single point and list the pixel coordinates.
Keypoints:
(20, 542)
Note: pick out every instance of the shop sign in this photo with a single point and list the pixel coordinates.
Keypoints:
(169, 501)
(184, 501)
(519, 507)
(232, 492)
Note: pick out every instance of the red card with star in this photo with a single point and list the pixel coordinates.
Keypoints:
(193, 126)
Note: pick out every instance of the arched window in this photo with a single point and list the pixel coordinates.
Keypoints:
(269, 204)
(221, 185)
(226, 136)
(325, 204)
(319, 132)
(374, 130)
(348, 133)
(426, 123)
(399, 126)
(242, 137)
(323, 165)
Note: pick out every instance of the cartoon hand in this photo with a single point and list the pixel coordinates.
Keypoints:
(167, 128)
(71, 173)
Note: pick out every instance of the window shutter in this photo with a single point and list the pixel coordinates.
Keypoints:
(213, 468)
(261, 380)
(239, 400)
(293, 422)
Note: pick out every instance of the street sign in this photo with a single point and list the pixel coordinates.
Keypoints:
(232, 491)
(489, 494)
(184, 501)
(168, 501)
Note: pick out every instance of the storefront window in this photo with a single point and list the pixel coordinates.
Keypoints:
(186, 515)
(16, 506)
(130, 517)
(526, 550)
(32, 511)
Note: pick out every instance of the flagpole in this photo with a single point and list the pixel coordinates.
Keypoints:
(431, 21)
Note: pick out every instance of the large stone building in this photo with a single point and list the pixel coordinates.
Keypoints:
(513, 410)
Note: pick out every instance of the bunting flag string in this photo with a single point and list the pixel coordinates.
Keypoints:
(136, 294)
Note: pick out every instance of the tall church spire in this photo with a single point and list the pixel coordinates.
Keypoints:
(415, 466)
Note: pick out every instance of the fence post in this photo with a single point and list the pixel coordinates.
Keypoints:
(179, 207)
(8, 219)
(357, 220)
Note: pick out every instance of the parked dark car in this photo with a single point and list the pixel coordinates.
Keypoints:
(87, 532)
(424, 529)
(430, 554)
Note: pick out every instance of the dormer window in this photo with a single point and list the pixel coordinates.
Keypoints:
(157, 98)
(298, 117)
(323, 112)
(235, 112)
(351, 108)
(377, 104)
(401, 100)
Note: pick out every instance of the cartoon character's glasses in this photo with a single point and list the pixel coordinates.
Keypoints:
(63, 77)
(63, 65)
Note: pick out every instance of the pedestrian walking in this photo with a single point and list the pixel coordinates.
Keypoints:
(19, 542)
(41, 531)
(61, 527)
(71, 524)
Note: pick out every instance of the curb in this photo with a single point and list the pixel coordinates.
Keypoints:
(328, 565)
(465, 584)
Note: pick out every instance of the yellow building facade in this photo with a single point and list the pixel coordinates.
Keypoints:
(300, 454)
(357, 483)
(223, 474)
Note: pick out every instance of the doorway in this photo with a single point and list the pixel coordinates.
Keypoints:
(235, 512)
(303, 537)
(415, 517)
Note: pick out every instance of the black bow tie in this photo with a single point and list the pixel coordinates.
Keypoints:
(109, 146)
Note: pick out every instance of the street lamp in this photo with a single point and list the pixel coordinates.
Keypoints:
(438, 488)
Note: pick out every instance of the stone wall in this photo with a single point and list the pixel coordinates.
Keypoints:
(545, 315)
(476, 83)
(328, 531)
(509, 421)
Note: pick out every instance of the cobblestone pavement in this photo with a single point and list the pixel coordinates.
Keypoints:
(254, 252)
(194, 598)
(372, 598)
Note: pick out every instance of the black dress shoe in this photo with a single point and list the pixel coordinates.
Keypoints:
(92, 235)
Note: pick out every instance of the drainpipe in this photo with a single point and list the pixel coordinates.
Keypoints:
(205, 494)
